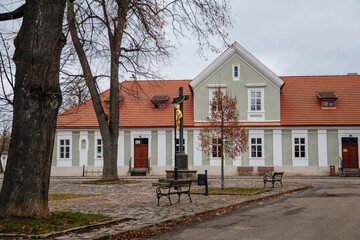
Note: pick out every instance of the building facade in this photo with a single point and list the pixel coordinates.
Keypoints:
(298, 124)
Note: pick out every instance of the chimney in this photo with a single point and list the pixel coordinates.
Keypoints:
(353, 73)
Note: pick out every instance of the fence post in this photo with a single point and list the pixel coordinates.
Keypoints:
(83, 170)
(206, 184)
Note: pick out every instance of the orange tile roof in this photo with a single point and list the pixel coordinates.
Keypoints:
(300, 106)
(136, 108)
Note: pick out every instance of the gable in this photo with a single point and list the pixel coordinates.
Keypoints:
(248, 58)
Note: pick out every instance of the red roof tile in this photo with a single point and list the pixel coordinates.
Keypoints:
(301, 106)
(136, 108)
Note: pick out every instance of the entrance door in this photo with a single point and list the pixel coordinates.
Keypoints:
(350, 156)
(141, 152)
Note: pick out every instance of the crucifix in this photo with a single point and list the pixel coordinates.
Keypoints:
(181, 158)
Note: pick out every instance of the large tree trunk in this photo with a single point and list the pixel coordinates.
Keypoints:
(37, 98)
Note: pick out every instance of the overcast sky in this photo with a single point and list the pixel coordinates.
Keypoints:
(291, 37)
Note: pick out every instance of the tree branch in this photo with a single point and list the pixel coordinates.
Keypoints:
(17, 13)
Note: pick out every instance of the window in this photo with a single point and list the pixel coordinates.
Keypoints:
(299, 147)
(236, 72)
(216, 149)
(211, 98)
(64, 148)
(328, 104)
(255, 100)
(159, 106)
(256, 148)
(99, 148)
(83, 144)
(178, 145)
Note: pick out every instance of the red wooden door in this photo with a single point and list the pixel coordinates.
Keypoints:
(350, 154)
(140, 152)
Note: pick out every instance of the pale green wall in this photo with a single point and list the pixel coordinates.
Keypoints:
(332, 147)
(245, 155)
(91, 137)
(286, 148)
(169, 153)
(75, 148)
(154, 148)
(313, 147)
(127, 147)
(269, 155)
(223, 75)
(54, 155)
(190, 147)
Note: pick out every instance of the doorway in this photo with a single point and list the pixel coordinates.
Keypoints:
(141, 152)
(350, 155)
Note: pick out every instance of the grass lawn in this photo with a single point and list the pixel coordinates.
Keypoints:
(230, 190)
(59, 221)
(118, 181)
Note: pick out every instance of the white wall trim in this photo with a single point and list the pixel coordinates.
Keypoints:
(136, 134)
(121, 149)
(161, 148)
(300, 161)
(83, 153)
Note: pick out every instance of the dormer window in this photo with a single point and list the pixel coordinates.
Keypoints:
(327, 99)
(159, 100)
(107, 100)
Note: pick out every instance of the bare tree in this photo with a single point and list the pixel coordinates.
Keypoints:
(222, 134)
(74, 91)
(135, 35)
(36, 101)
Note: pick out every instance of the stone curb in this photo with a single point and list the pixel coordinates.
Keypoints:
(67, 231)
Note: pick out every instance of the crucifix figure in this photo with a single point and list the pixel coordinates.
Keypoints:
(181, 158)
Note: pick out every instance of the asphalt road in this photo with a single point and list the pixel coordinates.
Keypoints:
(331, 210)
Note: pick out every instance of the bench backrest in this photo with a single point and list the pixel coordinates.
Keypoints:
(240, 169)
(265, 169)
(181, 182)
(278, 175)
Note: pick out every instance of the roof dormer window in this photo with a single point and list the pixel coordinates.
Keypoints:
(159, 100)
(327, 99)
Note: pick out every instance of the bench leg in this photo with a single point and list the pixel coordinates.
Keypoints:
(264, 184)
(281, 183)
(189, 197)
(168, 196)
(273, 182)
(179, 194)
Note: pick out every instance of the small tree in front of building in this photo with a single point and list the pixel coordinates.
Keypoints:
(222, 134)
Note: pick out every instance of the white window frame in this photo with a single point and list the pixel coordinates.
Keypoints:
(64, 162)
(300, 161)
(260, 114)
(233, 72)
(257, 161)
(65, 138)
(101, 147)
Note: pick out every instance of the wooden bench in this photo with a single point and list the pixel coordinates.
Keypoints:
(245, 170)
(276, 177)
(174, 187)
(265, 170)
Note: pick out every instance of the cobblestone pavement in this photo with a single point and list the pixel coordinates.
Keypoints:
(138, 201)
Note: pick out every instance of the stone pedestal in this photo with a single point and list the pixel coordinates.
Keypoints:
(182, 161)
(182, 174)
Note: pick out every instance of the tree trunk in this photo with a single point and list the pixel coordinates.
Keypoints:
(37, 98)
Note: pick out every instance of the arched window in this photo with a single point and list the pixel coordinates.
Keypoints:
(83, 144)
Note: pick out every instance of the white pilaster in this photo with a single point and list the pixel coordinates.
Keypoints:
(121, 149)
(197, 149)
(322, 148)
(277, 147)
(161, 148)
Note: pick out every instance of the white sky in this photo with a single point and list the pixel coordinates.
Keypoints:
(291, 37)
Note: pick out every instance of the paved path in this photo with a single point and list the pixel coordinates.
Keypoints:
(329, 211)
(138, 202)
